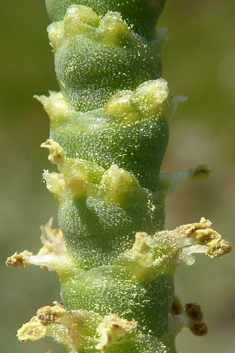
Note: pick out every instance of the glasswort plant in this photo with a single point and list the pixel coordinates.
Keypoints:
(108, 136)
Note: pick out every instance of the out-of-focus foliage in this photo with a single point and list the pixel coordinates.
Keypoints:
(198, 61)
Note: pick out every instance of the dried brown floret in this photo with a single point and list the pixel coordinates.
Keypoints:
(199, 328)
(65, 326)
(206, 236)
(219, 249)
(176, 307)
(50, 314)
(19, 260)
(32, 330)
(200, 172)
(191, 228)
(194, 311)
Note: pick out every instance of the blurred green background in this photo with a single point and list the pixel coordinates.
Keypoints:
(199, 62)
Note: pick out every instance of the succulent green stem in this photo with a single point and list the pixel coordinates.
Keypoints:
(108, 136)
